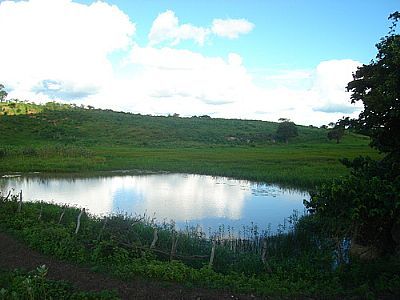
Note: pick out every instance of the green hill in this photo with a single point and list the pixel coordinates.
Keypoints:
(59, 138)
(105, 127)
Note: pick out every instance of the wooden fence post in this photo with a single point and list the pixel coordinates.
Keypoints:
(20, 202)
(212, 255)
(155, 238)
(41, 210)
(8, 195)
(264, 252)
(62, 214)
(78, 223)
(173, 247)
(102, 228)
(264, 256)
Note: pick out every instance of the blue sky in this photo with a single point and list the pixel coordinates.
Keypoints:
(297, 34)
(236, 59)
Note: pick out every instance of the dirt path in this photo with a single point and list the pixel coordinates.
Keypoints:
(14, 254)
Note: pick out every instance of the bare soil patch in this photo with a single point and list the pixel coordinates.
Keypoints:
(14, 254)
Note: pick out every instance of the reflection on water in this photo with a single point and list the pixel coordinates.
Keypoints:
(195, 199)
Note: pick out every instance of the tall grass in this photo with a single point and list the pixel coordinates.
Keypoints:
(288, 166)
(74, 139)
(35, 285)
(299, 258)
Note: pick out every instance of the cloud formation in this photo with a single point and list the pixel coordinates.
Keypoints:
(231, 28)
(330, 79)
(166, 29)
(190, 76)
(59, 49)
(60, 45)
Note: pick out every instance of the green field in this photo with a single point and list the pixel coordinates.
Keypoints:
(59, 138)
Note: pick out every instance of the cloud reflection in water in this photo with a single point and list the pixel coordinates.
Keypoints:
(206, 200)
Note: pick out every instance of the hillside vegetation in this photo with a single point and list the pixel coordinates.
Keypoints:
(63, 138)
(57, 123)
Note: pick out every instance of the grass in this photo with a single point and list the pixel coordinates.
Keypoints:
(33, 285)
(299, 263)
(67, 139)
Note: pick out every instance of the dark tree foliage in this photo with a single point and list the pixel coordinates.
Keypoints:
(377, 85)
(336, 133)
(3, 93)
(286, 130)
(366, 204)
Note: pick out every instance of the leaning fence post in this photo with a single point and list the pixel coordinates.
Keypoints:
(20, 202)
(62, 214)
(173, 247)
(102, 228)
(155, 238)
(264, 255)
(41, 210)
(78, 223)
(8, 195)
(212, 255)
(264, 252)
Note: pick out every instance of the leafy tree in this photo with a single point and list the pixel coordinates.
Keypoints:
(377, 85)
(366, 204)
(336, 133)
(3, 93)
(286, 130)
(331, 124)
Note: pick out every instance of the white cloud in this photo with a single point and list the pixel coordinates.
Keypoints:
(170, 80)
(231, 28)
(287, 75)
(331, 78)
(315, 96)
(187, 74)
(166, 28)
(59, 48)
(60, 45)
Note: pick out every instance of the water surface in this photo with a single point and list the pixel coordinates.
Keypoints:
(187, 199)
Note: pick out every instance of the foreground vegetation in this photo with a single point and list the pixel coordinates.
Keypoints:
(32, 285)
(299, 263)
(365, 206)
(62, 138)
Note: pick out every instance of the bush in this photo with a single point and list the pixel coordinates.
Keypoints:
(29, 151)
(3, 152)
(34, 285)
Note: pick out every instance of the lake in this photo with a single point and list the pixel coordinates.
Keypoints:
(187, 199)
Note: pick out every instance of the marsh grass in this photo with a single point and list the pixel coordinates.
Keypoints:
(18, 284)
(289, 166)
(299, 257)
(70, 139)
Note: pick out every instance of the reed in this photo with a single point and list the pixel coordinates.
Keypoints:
(68, 139)
(294, 262)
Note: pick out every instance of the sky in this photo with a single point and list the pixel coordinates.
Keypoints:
(254, 59)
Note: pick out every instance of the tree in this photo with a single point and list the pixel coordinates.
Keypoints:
(336, 133)
(377, 85)
(331, 124)
(365, 205)
(337, 129)
(3, 93)
(286, 130)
